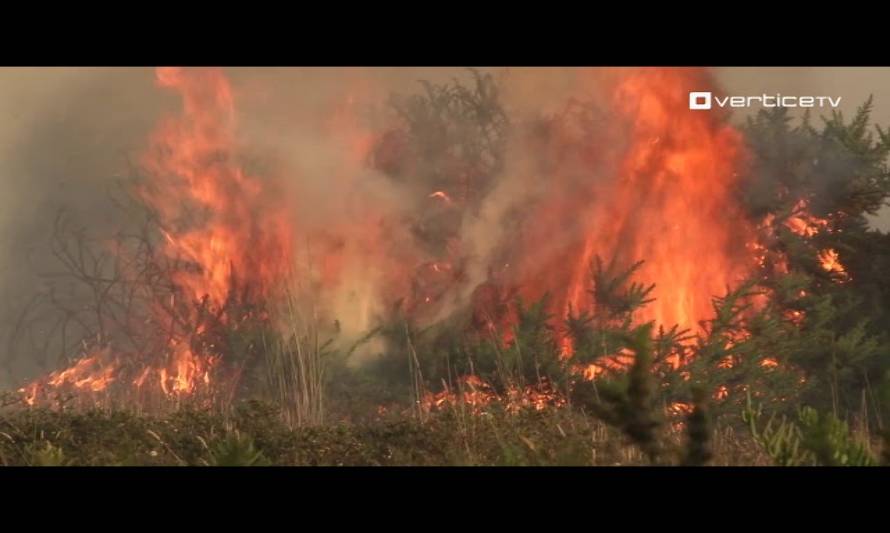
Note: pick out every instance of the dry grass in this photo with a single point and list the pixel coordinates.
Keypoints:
(295, 363)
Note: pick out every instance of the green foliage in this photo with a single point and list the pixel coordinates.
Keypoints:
(698, 431)
(45, 454)
(614, 294)
(452, 128)
(840, 173)
(606, 331)
(236, 449)
(628, 402)
(814, 439)
(830, 441)
(738, 349)
(841, 168)
(780, 439)
(533, 353)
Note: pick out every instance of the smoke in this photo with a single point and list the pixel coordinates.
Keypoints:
(69, 134)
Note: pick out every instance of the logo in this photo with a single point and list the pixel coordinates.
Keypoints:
(703, 100)
(700, 100)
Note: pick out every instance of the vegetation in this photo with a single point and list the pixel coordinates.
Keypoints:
(255, 435)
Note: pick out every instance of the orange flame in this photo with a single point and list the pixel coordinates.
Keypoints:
(666, 199)
(92, 373)
(803, 223)
(192, 162)
(225, 232)
(830, 262)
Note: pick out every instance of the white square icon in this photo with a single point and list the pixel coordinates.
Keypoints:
(700, 100)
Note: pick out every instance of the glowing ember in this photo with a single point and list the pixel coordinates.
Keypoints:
(477, 395)
(680, 408)
(441, 196)
(769, 362)
(830, 262)
(803, 223)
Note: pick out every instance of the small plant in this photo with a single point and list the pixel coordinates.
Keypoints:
(236, 449)
(628, 403)
(831, 442)
(45, 454)
(814, 439)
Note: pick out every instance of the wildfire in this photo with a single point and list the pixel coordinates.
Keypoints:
(477, 395)
(244, 239)
(655, 182)
(92, 373)
(803, 223)
(226, 235)
(241, 247)
(658, 187)
(830, 262)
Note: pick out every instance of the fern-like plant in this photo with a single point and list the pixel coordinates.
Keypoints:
(236, 449)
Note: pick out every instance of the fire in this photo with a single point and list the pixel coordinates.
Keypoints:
(92, 373)
(441, 195)
(226, 239)
(240, 246)
(769, 362)
(658, 187)
(244, 240)
(88, 374)
(187, 373)
(803, 223)
(680, 409)
(655, 182)
(477, 395)
(830, 262)
(615, 363)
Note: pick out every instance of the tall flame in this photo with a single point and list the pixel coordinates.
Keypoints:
(659, 187)
(225, 235)
(242, 234)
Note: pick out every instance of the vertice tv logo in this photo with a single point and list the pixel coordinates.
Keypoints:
(701, 100)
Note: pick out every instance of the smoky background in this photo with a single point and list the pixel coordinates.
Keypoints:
(69, 135)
